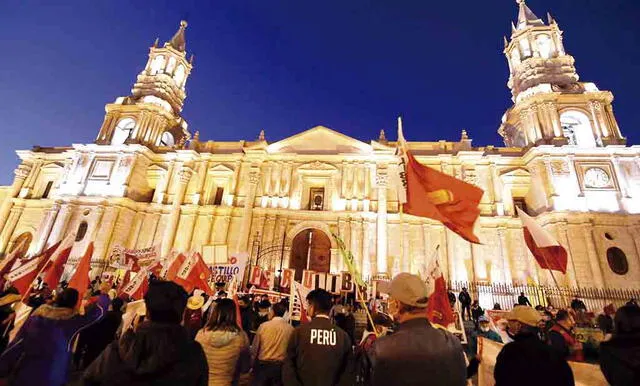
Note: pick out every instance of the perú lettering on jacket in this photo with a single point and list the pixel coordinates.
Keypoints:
(323, 337)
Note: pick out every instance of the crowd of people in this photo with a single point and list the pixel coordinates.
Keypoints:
(195, 339)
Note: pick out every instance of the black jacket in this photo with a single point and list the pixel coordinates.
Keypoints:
(418, 354)
(465, 298)
(620, 360)
(156, 354)
(528, 361)
(319, 354)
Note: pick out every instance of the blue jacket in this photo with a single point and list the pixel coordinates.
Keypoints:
(41, 352)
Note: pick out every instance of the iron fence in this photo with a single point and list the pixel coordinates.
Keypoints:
(506, 295)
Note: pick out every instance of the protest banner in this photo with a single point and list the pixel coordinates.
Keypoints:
(235, 266)
(121, 257)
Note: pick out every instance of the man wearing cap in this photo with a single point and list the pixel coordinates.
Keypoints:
(159, 351)
(418, 353)
(527, 360)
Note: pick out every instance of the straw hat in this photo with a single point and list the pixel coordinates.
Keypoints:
(195, 302)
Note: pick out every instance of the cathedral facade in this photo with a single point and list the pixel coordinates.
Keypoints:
(147, 180)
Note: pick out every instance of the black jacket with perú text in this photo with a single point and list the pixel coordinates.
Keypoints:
(319, 354)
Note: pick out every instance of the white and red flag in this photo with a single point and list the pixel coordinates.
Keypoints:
(7, 263)
(438, 308)
(138, 286)
(426, 192)
(22, 276)
(54, 268)
(298, 302)
(194, 273)
(170, 271)
(547, 251)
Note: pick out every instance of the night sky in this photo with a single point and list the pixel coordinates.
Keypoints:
(286, 66)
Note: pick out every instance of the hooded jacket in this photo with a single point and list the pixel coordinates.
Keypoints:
(227, 354)
(620, 360)
(155, 354)
(41, 352)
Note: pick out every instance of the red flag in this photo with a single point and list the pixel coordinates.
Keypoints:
(54, 268)
(174, 266)
(438, 308)
(299, 295)
(547, 251)
(426, 192)
(22, 276)
(137, 287)
(80, 280)
(7, 263)
(194, 273)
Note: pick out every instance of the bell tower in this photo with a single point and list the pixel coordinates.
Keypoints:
(151, 114)
(550, 105)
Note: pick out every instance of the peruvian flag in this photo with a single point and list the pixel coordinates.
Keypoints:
(7, 263)
(298, 300)
(547, 251)
(80, 280)
(137, 287)
(426, 192)
(438, 308)
(194, 273)
(171, 270)
(23, 275)
(55, 266)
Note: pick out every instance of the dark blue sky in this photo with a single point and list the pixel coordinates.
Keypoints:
(285, 66)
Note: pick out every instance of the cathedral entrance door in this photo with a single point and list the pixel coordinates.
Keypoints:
(310, 249)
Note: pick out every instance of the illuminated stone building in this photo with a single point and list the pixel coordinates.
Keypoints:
(148, 180)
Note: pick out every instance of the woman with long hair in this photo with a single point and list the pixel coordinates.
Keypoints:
(225, 345)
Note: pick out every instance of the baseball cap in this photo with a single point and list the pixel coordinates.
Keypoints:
(525, 315)
(409, 289)
(483, 319)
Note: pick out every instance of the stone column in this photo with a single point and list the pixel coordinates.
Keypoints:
(550, 180)
(10, 226)
(46, 226)
(496, 186)
(622, 177)
(504, 251)
(174, 215)
(367, 261)
(563, 229)
(380, 268)
(60, 224)
(592, 254)
(132, 240)
(595, 107)
(247, 211)
(21, 174)
(554, 117)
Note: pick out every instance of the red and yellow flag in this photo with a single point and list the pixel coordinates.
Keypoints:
(426, 192)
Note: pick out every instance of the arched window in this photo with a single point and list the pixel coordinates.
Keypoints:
(167, 139)
(526, 48)
(544, 46)
(171, 66)
(577, 128)
(123, 131)
(82, 231)
(178, 77)
(515, 56)
(157, 65)
(617, 260)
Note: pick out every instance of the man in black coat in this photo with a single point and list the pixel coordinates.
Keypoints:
(418, 353)
(465, 302)
(158, 352)
(527, 361)
(319, 353)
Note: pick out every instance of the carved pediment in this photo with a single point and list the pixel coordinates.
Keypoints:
(317, 166)
(320, 140)
(220, 169)
(516, 175)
